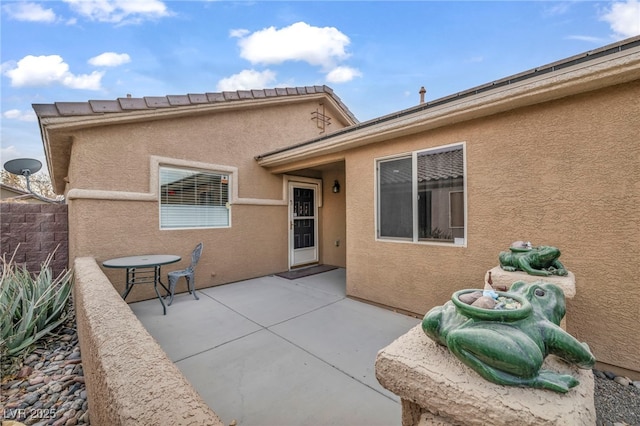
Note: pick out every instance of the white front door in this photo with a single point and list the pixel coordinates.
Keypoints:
(303, 224)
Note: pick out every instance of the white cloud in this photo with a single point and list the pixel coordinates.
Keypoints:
(110, 59)
(16, 114)
(239, 33)
(591, 39)
(9, 151)
(247, 80)
(624, 18)
(554, 9)
(48, 70)
(317, 46)
(119, 11)
(342, 74)
(32, 12)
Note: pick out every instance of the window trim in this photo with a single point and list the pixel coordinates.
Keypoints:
(414, 187)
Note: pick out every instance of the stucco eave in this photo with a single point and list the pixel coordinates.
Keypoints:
(57, 132)
(57, 150)
(622, 68)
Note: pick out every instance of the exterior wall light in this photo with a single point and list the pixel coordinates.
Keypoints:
(336, 187)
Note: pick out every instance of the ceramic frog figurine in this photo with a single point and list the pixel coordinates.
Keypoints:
(509, 347)
(541, 260)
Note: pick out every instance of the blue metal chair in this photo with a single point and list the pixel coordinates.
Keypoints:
(188, 274)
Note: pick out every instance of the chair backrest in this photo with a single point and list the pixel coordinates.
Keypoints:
(195, 256)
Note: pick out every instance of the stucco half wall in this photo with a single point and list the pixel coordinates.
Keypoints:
(129, 378)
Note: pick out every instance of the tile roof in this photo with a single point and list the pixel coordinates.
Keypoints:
(443, 165)
(431, 167)
(129, 104)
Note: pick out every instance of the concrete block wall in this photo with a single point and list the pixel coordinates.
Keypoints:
(35, 230)
(129, 378)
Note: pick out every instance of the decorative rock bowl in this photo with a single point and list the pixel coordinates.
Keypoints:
(506, 315)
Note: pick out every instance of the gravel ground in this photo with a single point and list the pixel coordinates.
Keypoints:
(616, 404)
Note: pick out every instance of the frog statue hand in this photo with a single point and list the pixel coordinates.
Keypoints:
(541, 260)
(511, 350)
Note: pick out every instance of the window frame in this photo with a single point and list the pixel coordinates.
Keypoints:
(415, 239)
(195, 170)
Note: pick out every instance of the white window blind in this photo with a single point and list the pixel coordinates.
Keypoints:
(193, 199)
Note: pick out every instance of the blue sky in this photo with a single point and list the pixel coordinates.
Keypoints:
(375, 55)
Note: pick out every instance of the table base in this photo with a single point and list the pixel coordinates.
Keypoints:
(142, 275)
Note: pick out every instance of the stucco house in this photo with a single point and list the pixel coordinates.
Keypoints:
(425, 199)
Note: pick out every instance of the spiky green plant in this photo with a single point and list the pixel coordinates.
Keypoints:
(31, 305)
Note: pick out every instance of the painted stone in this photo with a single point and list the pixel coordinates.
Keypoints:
(508, 346)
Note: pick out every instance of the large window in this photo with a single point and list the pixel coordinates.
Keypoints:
(421, 196)
(193, 199)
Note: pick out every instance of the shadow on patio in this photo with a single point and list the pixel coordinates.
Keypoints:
(270, 351)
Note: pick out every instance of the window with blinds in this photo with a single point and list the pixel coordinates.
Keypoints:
(193, 199)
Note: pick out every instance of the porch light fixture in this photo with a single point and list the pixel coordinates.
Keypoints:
(336, 186)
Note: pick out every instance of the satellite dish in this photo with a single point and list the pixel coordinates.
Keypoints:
(23, 166)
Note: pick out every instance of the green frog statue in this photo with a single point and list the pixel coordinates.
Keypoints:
(540, 260)
(508, 347)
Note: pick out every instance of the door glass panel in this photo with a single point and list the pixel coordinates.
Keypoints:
(304, 221)
(303, 200)
(303, 233)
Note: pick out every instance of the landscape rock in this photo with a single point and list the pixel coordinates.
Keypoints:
(48, 387)
(624, 381)
(485, 302)
(469, 298)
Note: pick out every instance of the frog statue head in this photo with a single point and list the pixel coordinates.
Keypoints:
(547, 300)
(547, 254)
(509, 348)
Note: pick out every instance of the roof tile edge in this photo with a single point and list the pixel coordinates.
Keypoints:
(125, 105)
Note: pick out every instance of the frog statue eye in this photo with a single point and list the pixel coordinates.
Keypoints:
(539, 292)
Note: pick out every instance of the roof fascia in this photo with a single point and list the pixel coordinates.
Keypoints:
(88, 121)
(598, 73)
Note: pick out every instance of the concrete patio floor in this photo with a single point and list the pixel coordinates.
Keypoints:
(272, 351)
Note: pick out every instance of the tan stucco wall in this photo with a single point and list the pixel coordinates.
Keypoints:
(129, 379)
(561, 173)
(117, 159)
(333, 217)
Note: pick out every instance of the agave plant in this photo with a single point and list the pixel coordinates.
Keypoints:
(31, 305)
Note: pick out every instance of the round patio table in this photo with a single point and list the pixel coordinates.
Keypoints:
(143, 269)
